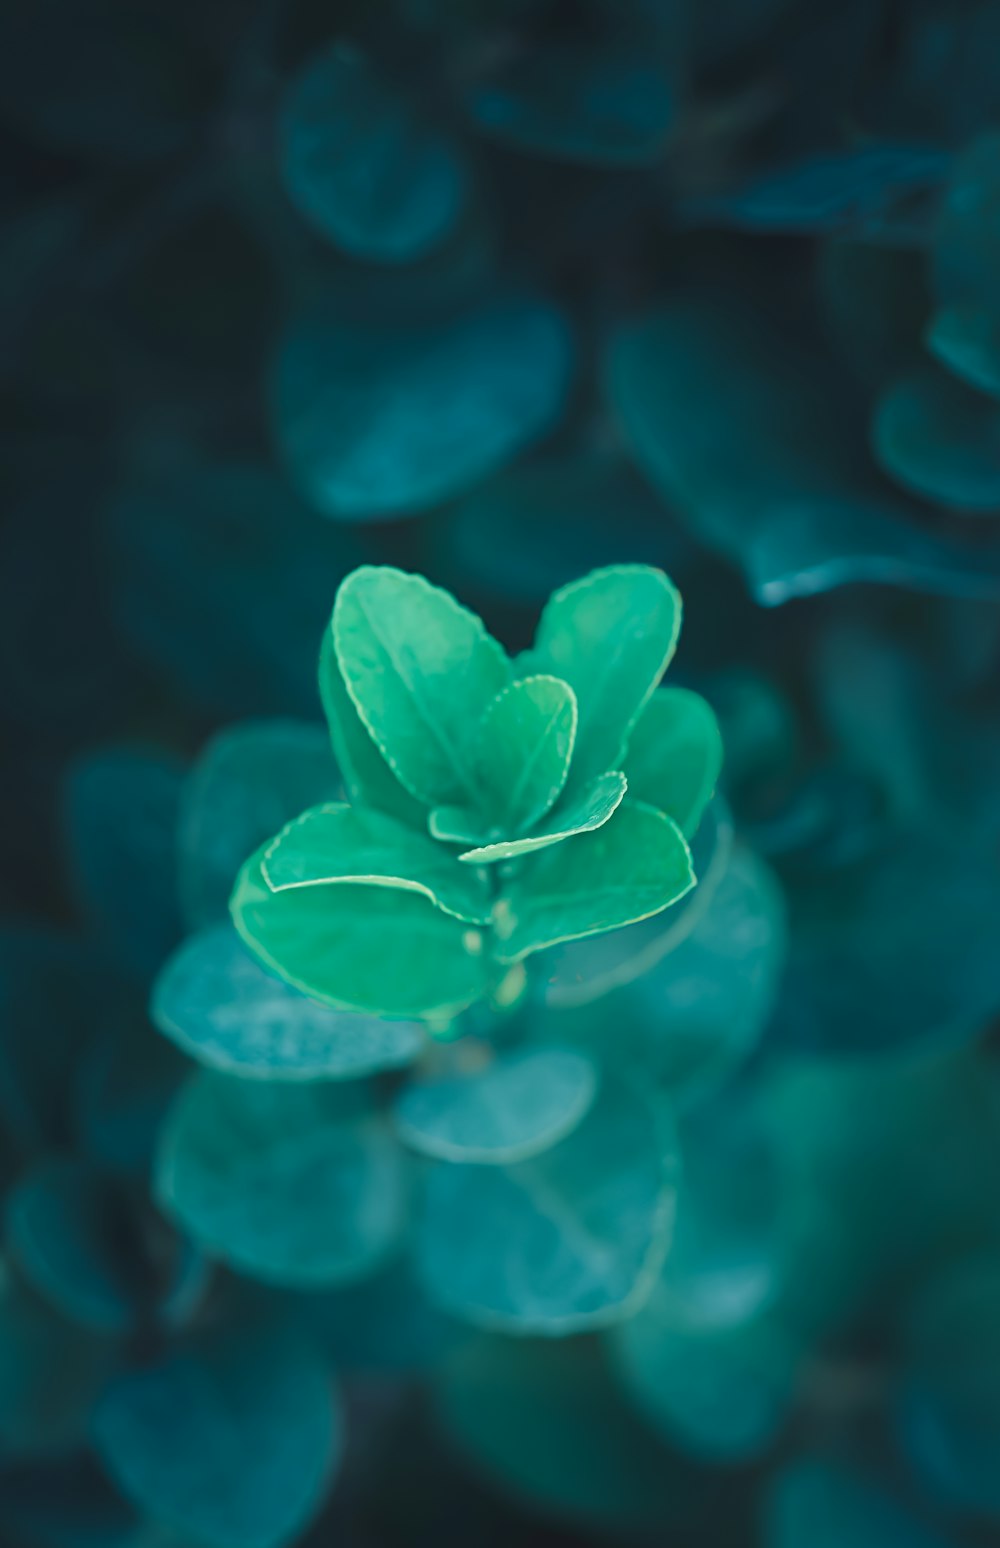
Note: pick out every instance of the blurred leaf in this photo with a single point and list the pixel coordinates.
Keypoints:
(518, 1107)
(941, 439)
(966, 249)
(674, 756)
(230, 1440)
(634, 866)
(359, 165)
(50, 1375)
(815, 1503)
(225, 1010)
(966, 339)
(422, 671)
(296, 1185)
(564, 1243)
(248, 781)
(377, 422)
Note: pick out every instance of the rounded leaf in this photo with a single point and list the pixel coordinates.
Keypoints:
(517, 1107)
(223, 1008)
(380, 422)
(296, 1185)
(523, 749)
(360, 167)
(941, 439)
(675, 755)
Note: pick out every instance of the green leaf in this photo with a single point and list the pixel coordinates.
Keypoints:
(457, 825)
(353, 845)
(633, 867)
(941, 439)
(564, 1243)
(386, 419)
(421, 671)
(248, 781)
(522, 1104)
(523, 751)
(296, 1185)
(818, 1503)
(966, 339)
(359, 165)
(611, 637)
(231, 1439)
(371, 949)
(590, 808)
(675, 755)
(60, 1224)
(367, 777)
(217, 1003)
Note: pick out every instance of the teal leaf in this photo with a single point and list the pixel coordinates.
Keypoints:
(384, 421)
(296, 1185)
(359, 165)
(248, 781)
(230, 1440)
(520, 1105)
(421, 671)
(370, 949)
(675, 755)
(633, 867)
(966, 339)
(125, 1081)
(523, 749)
(60, 1224)
(350, 845)
(382, 1324)
(220, 1006)
(50, 1374)
(942, 440)
(564, 1243)
(120, 815)
(368, 779)
(582, 812)
(456, 825)
(611, 636)
(818, 1503)
(966, 250)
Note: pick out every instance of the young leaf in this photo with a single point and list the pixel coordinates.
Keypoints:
(457, 825)
(674, 756)
(421, 671)
(590, 808)
(359, 165)
(523, 751)
(59, 1223)
(611, 637)
(377, 950)
(220, 1006)
(367, 777)
(633, 867)
(297, 1185)
(231, 1439)
(354, 845)
(561, 1244)
(522, 1104)
(248, 781)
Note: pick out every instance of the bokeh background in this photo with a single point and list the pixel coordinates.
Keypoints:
(500, 291)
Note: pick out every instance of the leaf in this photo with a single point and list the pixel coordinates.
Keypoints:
(389, 420)
(384, 1324)
(966, 339)
(220, 1006)
(370, 949)
(582, 812)
(296, 1185)
(522, 751)
(368, 778)
(565, 1243)
(818, 1503)
(120, 816)
(941, 439)
(359, 166)
(611, 636)
(347, 845)
(456, 825)
(60, 1224)
(675, 755)
(633, 867)
(421, 671)
(248, 781)
(966, 252)
(230, 1440)
(517, 1107)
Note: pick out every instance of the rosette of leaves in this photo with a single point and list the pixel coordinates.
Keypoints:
(496, 807)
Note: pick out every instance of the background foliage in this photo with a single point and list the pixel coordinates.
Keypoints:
(502, 291)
